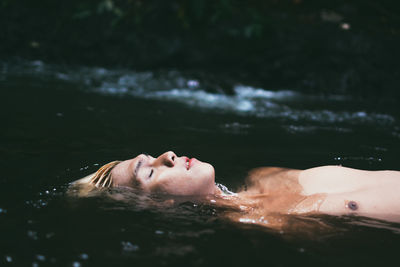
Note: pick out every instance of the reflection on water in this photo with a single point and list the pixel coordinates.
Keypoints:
(60, 123)
(129, 227)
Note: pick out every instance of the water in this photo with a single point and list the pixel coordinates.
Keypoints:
(59, 123)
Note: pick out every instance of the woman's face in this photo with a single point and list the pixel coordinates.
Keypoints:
(168, 173)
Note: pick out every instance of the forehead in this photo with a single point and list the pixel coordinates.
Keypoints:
(129, 166)
(124, 168)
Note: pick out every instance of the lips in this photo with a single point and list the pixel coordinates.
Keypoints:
(189, 162)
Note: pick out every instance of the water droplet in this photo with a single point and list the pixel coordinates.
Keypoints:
(246, 220)
(76, 264)
(9, 259)
(49, 235)
(40, 257)
(32, 234)
(84, 256)
(345, 26)
(212, 201)
(192, 83)
(302, 250)
(129, 247)
(263, 220)
(159, 232)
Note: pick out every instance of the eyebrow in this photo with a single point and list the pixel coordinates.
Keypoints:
(137, 168)
(138, 165)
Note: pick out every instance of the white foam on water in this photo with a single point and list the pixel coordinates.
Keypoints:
(260, 104)
(200, 98)
(174, 86)
(250, 92)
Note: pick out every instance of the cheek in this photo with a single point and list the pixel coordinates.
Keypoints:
(177, 183)
(200, 180)
(119, 180)
(171, 186)
(167, 182)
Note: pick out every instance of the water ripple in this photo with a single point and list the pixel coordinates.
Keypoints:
(180, 87)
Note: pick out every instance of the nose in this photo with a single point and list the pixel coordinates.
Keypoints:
(167, 159)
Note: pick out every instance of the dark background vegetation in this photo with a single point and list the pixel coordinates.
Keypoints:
(277, 44)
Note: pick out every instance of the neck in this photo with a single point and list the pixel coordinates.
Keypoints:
(224, 198)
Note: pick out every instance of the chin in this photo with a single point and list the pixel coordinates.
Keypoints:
(207, 172)
(209, 179)
(212, 172)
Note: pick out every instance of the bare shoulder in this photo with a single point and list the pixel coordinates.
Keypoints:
(265, 172)
(272, 178)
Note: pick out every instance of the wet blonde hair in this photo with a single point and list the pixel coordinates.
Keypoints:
(102, 177)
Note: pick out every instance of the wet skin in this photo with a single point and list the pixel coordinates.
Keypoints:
(333, 190)
(167, 173)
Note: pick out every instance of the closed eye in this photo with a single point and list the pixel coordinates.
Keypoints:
(151, 173)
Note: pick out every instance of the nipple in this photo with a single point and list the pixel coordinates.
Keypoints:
(352, 205)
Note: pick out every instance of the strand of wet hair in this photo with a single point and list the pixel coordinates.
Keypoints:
(103, 177)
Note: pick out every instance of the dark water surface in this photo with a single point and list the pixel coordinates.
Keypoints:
(60, 123)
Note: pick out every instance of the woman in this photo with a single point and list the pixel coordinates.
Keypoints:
(332, 190)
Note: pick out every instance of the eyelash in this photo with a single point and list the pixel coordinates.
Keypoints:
(151, 173)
